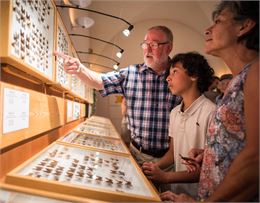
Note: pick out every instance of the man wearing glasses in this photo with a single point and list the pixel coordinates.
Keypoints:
(145, 89)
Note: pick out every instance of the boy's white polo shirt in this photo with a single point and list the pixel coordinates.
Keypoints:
(188, 130)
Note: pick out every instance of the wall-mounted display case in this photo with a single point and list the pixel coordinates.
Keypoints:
(33, 32)
(96, 142)
(33, 103)
(41, 108)
(63, 46)
(77, 85)
(28, 38)
(84, 173)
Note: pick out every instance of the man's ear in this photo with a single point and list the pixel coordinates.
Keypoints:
(246, 26)
(170, 47)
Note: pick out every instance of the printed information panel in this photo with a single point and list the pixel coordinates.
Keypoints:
(16, 110)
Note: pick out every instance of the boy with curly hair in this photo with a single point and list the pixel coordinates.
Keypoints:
(189, 77)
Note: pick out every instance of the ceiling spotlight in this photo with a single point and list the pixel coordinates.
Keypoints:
(80, 3)
(116, 66)
(127, 31)
(84, 21)
(119, 54)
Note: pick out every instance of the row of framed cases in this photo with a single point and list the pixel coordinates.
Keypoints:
(33, 31)
(85, 173)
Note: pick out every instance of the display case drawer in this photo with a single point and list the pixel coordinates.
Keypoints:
(97, 130)
(96, 142)
(18, 194)
(85, 173)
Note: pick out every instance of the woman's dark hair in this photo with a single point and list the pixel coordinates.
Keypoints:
(243, 10)
(196, 65)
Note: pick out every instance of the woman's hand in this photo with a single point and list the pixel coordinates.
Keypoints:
(195, 160)
(172, 197)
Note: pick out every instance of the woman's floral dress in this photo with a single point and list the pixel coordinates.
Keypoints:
(225, 136)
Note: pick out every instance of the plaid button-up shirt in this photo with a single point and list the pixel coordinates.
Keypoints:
(149, 103)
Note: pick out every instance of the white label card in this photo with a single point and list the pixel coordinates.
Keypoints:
(69, 109)
(15, 110)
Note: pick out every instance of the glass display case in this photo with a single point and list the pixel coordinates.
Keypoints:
(100, 119)
(98, 124)
(7, 196)
(97, 130)
(102, 143)
(28, 39)
(17, 194)
(85, 173)
(63, 46)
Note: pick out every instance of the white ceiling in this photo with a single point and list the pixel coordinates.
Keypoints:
(194, 15)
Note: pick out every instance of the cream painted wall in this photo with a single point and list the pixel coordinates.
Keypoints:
(185, 39)
(107, 107)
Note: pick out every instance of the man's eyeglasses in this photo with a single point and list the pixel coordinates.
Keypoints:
(153, 45)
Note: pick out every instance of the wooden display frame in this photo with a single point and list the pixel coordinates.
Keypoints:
(76, 83)
(98, 131)
(19, 64)
(83, 110)
(97, 191)
(117, 145)
(100, 119)
(69, 110)
(98, 124)
(61, 26)
(89, 94)
(18, 194)
(79, 93)
(44, 109)
(5, 41)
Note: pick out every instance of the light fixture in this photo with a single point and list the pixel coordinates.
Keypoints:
(84, 21)
(119, 54)
(116, 66)
(101, 40)
(96, 54)
(127, 31)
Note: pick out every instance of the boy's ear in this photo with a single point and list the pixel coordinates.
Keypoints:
(194, 78)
